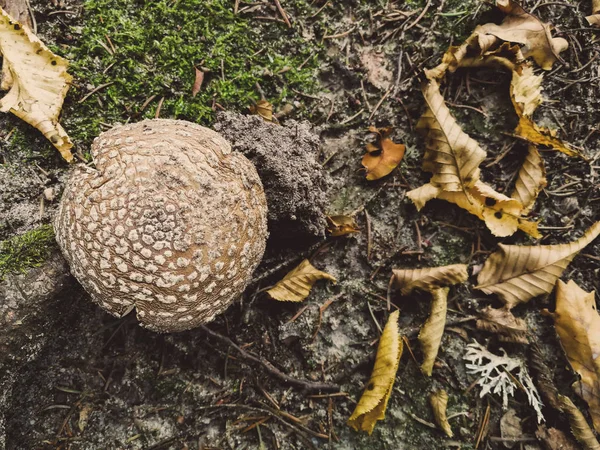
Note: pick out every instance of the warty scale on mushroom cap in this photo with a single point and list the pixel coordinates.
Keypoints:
(171, 222)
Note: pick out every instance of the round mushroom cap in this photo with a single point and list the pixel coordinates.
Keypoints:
(171, 223)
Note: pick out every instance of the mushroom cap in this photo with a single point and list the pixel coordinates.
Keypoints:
(172, 223)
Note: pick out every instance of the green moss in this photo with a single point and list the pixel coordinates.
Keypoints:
(28, 250)
(146, 49)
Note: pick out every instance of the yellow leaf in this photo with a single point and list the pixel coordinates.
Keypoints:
(439, 402)
(263, 109)
(577, 324)
(383, 156)
(529, 130)
(579, 427)
(501, 214)
(341, 225)
(296, 285)
(433, 280)
(373, 403)
(523, 28)
(503, 323)
(451, 155)
(594, 19)
(430, 336)
(530, 180)
(430, 278)
(38, 82)
(526, 90)
(518, 273)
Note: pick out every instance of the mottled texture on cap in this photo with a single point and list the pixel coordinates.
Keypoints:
(171, 223)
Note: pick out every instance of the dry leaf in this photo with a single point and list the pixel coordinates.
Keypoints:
(372, 404)
(383, 156)
(264, 109)
(39, 82)
(433, 280)
(579, 427)
(544, 376)
(530, 180)
(296, 285)
(197, 82)
(503, 323)
(594, 19)
(451, 155)
(554, 439)
(577, 324)
(430, 278)
(439, 401)
(501, 214)
(510, 428)
(374, 62)
(84, 416)
(341, 225)
(525, 29)
(518, 273)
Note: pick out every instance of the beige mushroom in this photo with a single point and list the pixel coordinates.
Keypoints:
(171, 223)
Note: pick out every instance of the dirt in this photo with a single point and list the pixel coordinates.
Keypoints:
(92, 381)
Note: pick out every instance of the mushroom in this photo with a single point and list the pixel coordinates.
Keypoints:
(171, 223)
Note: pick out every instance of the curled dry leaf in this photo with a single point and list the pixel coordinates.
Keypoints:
(439, 402)
(530, 180)
(523, 28)
(296, 285)
(38, 82)
(451, 155)
(263, 109)
(579, 427)
(543, 375)
(503, 323)
(197, 82)
(594, 19)
(554, 439)
(372, 404)
(383, 156)
(435, 281)
(518, 273)
(510, 428)
(341, 225)
(577, 324)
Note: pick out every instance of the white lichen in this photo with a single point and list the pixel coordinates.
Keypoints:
(501, 375)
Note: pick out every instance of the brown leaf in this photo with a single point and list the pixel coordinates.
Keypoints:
(264, 109)
(518, 273)
(341, 225)
(577, 324)
(197, 82)
(510, 428)
(594, 19)
(530, 180)
(383, 156)
(554, 439)
(433, 280)
(543, 376)
(525, 29)
(439, 401)
(430, 278)
(451, 155)
(39, 82)
(504, 324)
(374, 62)
(579, 427)
(296, 285)
(373, 403)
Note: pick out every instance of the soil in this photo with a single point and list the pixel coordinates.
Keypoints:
(74, 377)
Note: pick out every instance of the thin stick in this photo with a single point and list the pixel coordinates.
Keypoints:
(283, 14)
(306, 385)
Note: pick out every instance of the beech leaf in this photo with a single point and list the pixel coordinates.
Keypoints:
(439, 401)
(37, 84)
(503, 323)
(435, 281)
(577, 324)
(373, 403)
(530, 180)
(579, 427)
(518, 273)
(341, 225)
(197, 82)
(451, 155)
(296, 285)
(594, 19)
(383, 156)
(263, 109)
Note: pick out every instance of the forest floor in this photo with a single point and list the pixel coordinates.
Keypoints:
(103, 383)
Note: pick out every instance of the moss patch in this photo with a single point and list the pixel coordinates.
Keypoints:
(28, 250)
(147, 51)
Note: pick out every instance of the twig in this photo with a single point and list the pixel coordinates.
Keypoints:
(306, 385)
(89, 94)
(283, 14)
(418, 19)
